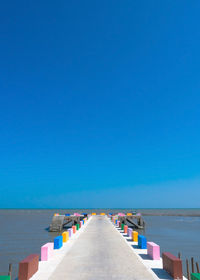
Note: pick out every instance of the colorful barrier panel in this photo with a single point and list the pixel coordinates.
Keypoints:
(28, 267)
(153, 250)
(93, 214)
(118, 223)
(125, 229)
(65, 236)
(6, 277)
(77, 226)
(121, 214)
(172, 265)
(128, 214)
(142, 242)
(74, 229)
(130, 232)
(58, 242)
(194, 276)
(122, 226)
(102, 214)
(76, 214)
(70, 230)
(135, 236)
(47, 251)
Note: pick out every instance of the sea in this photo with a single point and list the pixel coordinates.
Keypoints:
(24, 231)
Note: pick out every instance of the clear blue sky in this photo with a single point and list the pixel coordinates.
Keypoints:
(99, 99)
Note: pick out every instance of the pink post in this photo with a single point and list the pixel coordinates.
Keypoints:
(153, 250)
(46, 251)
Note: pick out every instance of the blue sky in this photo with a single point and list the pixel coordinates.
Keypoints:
(98, 99)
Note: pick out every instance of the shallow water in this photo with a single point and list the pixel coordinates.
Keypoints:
(23, 232)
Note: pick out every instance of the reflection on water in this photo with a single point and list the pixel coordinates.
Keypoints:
(23, 232)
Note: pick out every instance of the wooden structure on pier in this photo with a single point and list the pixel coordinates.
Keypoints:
(136, 221)
(59, 222)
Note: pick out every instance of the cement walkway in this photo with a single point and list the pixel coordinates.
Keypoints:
(100, 253)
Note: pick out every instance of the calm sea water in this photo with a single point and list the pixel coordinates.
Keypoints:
(23, 232)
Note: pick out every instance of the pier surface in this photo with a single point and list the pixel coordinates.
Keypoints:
(100, 252)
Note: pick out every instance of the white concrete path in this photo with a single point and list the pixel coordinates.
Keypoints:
(101, 253)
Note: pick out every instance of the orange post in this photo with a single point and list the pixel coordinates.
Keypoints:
(74, 229)
(125, 229)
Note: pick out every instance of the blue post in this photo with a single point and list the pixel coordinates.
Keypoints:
(58, 242)
(142, 242)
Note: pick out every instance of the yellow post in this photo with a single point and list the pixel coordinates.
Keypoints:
(65, 236)
(129, 214)
(135, 236)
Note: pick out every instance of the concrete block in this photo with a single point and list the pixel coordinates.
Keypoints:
(135, 236)
(142, 242)
(77, 214)
(130, 232)
(65, 236)
(172, 265)
(125, 229)
(58, 242)
(74, 229)
(194, 276)
(70, 230)
(47, 251)
(153, 250)
(28, 267)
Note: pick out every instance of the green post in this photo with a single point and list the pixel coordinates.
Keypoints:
(122, 226)
(77, 226)
(195, 276)
(5, 277)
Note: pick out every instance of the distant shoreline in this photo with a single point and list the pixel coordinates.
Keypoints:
(178, 212)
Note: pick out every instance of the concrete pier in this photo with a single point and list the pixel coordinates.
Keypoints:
(100, 252)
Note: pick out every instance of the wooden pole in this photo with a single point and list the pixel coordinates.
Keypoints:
(188, 269)
(10, 270)
(192, 262)
(197, 265)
